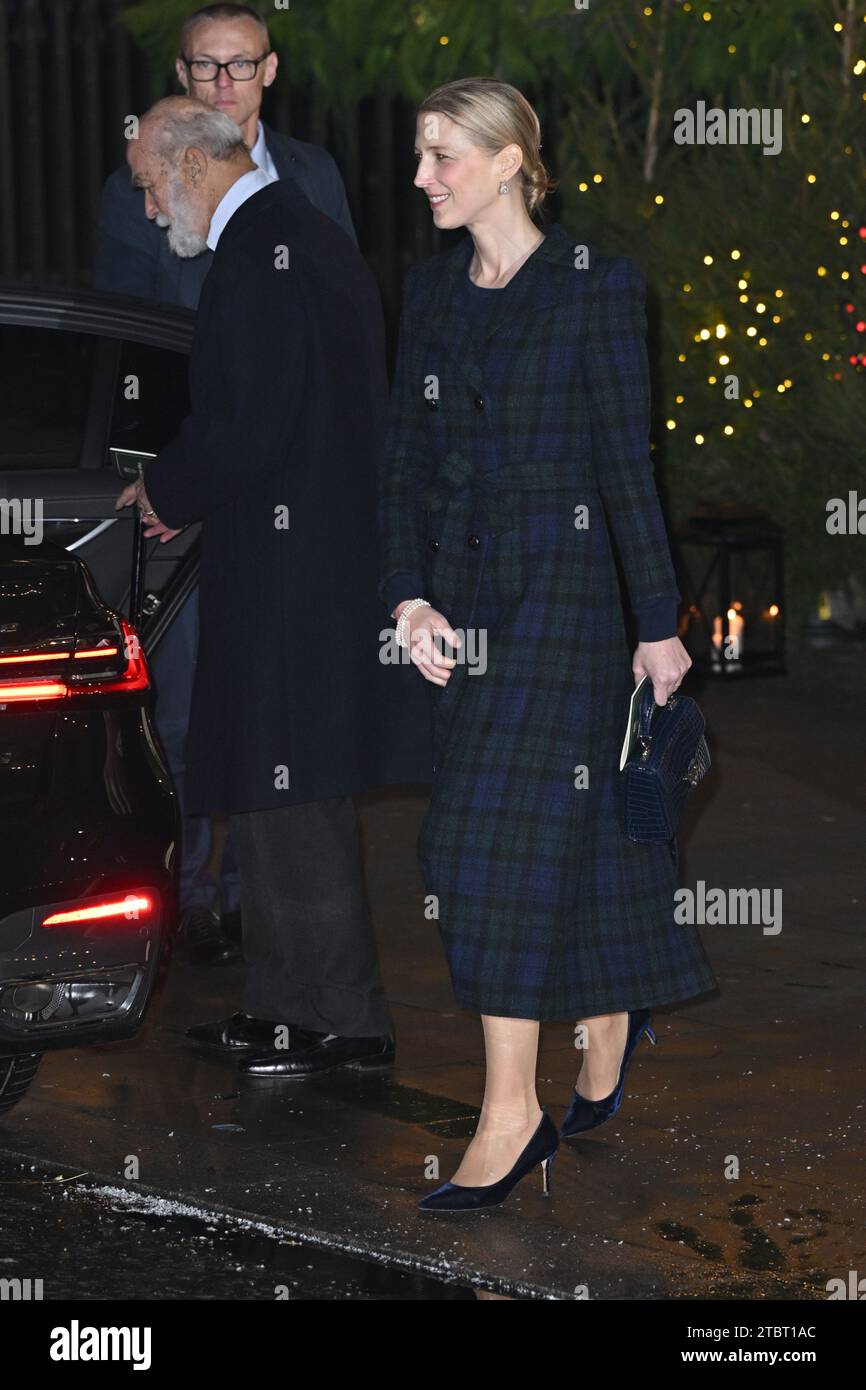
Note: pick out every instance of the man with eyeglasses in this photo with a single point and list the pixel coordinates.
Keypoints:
(225, 60)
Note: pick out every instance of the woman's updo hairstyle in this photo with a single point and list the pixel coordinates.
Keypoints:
(495, 114)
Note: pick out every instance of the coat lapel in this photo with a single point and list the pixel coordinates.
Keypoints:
(286, 162)
(537, 286)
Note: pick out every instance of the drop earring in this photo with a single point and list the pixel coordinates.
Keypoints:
(503, 188)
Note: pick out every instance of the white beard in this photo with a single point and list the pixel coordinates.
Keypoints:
(183, 237)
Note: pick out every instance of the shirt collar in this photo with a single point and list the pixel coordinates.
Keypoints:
(259, 151)
(261, 155)
(241, 189)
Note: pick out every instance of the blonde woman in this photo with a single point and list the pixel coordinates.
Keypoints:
(516, 466)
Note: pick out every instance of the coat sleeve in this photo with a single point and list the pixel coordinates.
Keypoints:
(245, 415)
(403, 474)
(619, 401)
(124, 259)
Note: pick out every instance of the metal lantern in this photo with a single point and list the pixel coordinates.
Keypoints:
(731, 578)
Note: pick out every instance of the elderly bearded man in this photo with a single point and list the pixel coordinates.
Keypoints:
(293, 711)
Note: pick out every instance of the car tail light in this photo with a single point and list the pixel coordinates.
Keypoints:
(132, 907)
(110, 663)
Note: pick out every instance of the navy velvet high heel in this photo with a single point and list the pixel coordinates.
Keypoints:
(586, 1114)
(540, 1149)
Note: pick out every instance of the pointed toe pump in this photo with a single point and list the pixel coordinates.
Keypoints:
(587, 1114)
(540, 1149)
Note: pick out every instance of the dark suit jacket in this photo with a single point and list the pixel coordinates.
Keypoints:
(278, 459)
(132, 253)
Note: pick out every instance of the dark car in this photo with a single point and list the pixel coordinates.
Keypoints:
(88, 821)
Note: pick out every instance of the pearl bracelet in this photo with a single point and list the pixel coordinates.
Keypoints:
(401, 621)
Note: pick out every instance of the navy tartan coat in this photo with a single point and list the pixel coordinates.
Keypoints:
(546, 909)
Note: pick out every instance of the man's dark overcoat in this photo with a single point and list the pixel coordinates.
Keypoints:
(278, 458)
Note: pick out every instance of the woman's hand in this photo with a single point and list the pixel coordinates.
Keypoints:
(664, 662)
(422, 625)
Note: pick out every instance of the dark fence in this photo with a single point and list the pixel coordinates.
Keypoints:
(69, 75)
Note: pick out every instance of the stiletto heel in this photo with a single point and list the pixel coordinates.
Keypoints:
(541, 1149)
(586, 1114)
(545, 1173)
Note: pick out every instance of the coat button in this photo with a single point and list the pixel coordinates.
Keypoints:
(432, 403)
(433, 545)
(473, 542)
(479, 402)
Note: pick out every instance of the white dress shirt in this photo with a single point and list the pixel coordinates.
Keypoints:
(261, 155)
(241, 189)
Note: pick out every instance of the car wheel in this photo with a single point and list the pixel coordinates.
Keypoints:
(16, 1073)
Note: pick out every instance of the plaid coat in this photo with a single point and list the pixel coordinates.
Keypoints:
(546, 909)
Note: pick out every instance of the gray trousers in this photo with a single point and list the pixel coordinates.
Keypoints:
(308, 939)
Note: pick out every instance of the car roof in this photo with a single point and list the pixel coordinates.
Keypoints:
(98, 311)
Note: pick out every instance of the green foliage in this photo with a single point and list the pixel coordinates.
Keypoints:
(347, 47)
(790, 450)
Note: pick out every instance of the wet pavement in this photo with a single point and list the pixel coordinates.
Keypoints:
(733, 1170)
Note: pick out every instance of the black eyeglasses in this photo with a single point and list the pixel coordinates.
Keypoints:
(238, 69)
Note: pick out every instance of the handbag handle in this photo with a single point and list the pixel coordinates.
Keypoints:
(647, 709)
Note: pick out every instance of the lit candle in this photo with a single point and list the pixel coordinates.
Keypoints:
(735, 630)
(736, 623)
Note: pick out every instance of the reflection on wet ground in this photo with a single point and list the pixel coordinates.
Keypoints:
(733, 1169)
(73, 1235)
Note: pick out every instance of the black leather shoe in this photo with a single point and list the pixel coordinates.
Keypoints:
(204, 940)
(311, 1053)
(240, 1033)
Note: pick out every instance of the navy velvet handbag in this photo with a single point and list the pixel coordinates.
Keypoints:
(672, 758)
